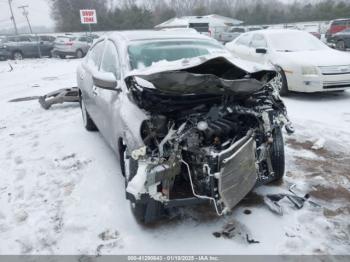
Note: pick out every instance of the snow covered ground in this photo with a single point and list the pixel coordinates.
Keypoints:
(61, 191)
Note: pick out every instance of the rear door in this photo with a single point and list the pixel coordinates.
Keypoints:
(91, 65)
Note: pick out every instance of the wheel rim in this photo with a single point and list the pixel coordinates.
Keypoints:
(18, 56)
(278, 82)
(83, 112)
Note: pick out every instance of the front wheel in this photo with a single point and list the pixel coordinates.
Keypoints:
(282, 82)
(87, 121)
(145, 210)
(277, 154)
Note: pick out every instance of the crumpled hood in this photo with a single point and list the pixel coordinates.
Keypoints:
(213, 74)
(318, 58)
(187, 63)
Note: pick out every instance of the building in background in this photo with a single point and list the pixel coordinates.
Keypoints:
(212, 25)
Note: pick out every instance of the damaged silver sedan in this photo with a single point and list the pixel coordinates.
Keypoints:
(191, 124)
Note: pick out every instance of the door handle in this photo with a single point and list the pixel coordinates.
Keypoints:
(94, 91)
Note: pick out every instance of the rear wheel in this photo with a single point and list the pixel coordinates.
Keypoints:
(340, 45)
(283, 84)
(62, 56)
(79, 53)
(87, 121)
(17, 55)
(277, 154)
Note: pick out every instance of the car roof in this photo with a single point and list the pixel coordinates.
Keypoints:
(137, 35)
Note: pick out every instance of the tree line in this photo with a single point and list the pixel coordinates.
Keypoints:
(133, 14)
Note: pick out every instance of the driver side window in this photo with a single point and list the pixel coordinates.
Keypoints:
(258, 41)
(110, 61)
(95, 55)
(244, 40)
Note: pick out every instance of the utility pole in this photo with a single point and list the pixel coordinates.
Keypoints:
(25, 13)
(12, 17)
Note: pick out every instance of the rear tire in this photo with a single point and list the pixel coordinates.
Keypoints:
(17, 55)
(79, 53)
(277, 154)
(62, 56)
(87, 121)
(284, 91)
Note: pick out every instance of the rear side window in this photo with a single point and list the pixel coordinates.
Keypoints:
(110, 62)
(95, 55)
(340, 23)
(244, 40)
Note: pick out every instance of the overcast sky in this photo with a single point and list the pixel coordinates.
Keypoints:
(39, 13)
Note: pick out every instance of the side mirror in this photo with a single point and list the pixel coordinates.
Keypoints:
(105, 80)
(261, 50)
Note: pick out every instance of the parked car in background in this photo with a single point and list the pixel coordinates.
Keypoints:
(191, 123)
(234, 32)
(305, 63)
(313, 29)
(336, 26)
(19, 47)
(341, 40)
(70, 45)
(231, 34)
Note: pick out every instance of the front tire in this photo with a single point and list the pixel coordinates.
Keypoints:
(146, 210)
(87, 121)
(277, 154)
(284, 91)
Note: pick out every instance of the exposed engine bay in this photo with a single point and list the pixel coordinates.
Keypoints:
(210, 134)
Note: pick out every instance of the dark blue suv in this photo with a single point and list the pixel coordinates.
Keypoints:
(19, 47)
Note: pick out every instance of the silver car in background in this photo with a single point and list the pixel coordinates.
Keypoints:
(69, 45)
(191, 123)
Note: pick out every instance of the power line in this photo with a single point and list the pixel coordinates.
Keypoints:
(25, 13)
(12, 17)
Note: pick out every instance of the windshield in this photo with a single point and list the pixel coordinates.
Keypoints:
(296, 41)
(144, 54)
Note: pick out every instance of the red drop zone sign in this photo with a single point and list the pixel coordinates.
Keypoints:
(88, 16)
